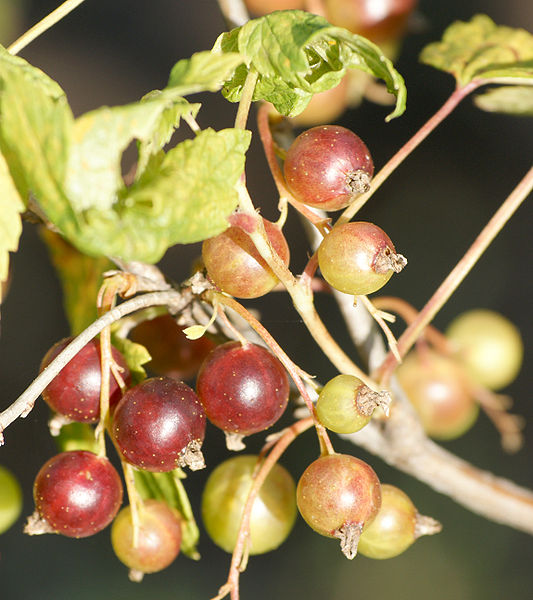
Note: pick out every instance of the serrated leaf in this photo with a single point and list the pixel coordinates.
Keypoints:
(135, 355)
(204, 71)
(11, 206)
(512, 100)
(167, 487)
(297, 54)
(184, 198)
(480, 49)
(80, 276)
(35, 127)
(93, 175)
(168, 122)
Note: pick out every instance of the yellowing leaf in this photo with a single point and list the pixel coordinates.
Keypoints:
(11, 206)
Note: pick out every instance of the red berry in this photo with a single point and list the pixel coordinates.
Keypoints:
(77, 493)
(160, 425)
(75, 391)
(327, 166)
(243, 388)
(338, 495)
(173, 354)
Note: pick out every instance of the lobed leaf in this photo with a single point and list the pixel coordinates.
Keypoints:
(11, 206)
(203, 72)
(297, 54)
(480, 49)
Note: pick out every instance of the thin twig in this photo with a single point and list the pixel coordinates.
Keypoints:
(44, 24)
(24, 403)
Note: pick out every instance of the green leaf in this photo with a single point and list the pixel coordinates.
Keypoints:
(513, 100)
(77, 436)
(81, 278)
(167, 487)
(11, 206)
(35, 128)
(480, 49)
(182, 197)
(168, 122)
(93, 175)
(204, 71)
(298, 54)
(135, 355)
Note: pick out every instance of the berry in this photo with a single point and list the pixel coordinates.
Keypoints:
(243, 388)
(234, 264)
(160, 425)
(173, 354)
(225, 494)
(77, 493)
(360, 16)
(346, 404)
(396, 526)
(10, 499)
(489, 347)
(75, 390)
(338, 495)
(159, 537)
(358, 258)
(327, 166)
(439, 392)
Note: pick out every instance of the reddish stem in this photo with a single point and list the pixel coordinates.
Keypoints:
(458, 273)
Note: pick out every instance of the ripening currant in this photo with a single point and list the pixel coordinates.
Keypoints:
(358, 258)
(225, 494)
(439, 391)
(244, 389)
(338, 495)
(160, 425)
(234, 264)
(489, 347)
(159, 538)
(75, 390)
(397, 525)
(76, 493)
(345, 404)
(327, 167)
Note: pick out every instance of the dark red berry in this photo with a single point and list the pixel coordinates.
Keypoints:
(75, 391)
(327, 166)
(243, 388)
(173, 354)
(160, 425)
(77, 493)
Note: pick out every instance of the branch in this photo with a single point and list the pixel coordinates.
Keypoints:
(24, 403)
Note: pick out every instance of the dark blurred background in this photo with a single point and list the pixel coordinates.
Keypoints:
(433, 207)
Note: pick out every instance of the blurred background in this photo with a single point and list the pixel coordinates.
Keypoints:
(432, 208)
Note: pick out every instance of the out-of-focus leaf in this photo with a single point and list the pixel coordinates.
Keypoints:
(80, 276)
(77, 436)
(512, 100)
(297, 54)
(480, 49)
(11, 206)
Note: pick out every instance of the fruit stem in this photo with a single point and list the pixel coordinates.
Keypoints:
(134, 499)
(291, 433)
(234, 12)
(51, 19)
(458, 273)
(246, 98)
(408, 147)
